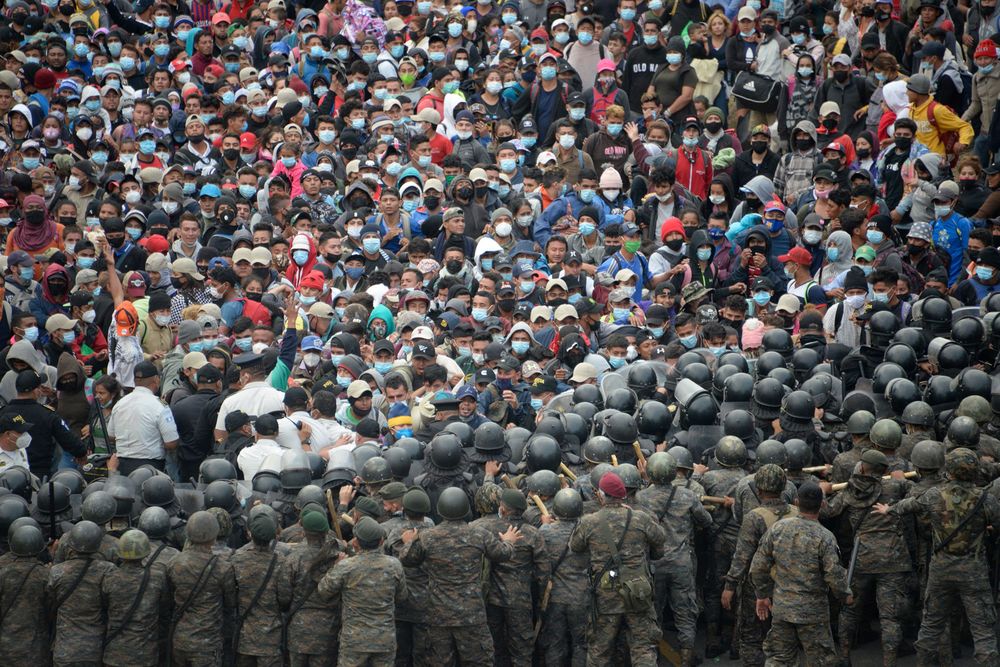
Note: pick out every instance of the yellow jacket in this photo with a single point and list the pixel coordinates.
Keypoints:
(945, 120)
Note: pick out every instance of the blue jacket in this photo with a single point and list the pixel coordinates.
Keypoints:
(952, 235)
(557, 209)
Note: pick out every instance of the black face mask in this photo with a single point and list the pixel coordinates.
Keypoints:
(803, 144)
(226, 216)
(254, 296)
(758, 249)
(914, 249)
(986, 10)
(358, 202)
(349, 153)
(752, 203)
(555, 303)
(66, 220)
(66, 10)
(967, 183)
(868, 11)
(178, 283)
(714, 126)
(675, 244)
(840, 76)
(231, 154)
(66, 385)
(196, 138)
(463, 193)
(34, 217)
(505, 305)
(116, 242)
(831, 123)
(432, 202)
(863, 152)
(263, 273)
(481, 191)
(758, 146)
(454, 266)
(331, 258)
(974, 255)
(767, 29)
(904, 143)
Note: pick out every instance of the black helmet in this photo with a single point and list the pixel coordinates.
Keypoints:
(100, 507)
(265, 484)
(413, 447)
(683, 457)
(598, 472)
(567, 504)
(621, 429)
(882, 326)
(912, 337)
(700, 374)
(799, 405)
(155, 522)
(991, 303)
(621, 399)
(739, 388)
(856, 401)
(722, 373)
(446, 451)
(542, 453)
(970, 333)
(952, 358)
(309, 494)
(935, 314)
(901, 392)
(820, 387)
(654, 420)
(938, 393)
(72, 478)
(399, 461)
(688, 358)
(17, 480)
(928, 455)
(586, 411)
(767, 362)
(860, 422)
(211, 470)
(799, 454)
(453, 503)
(12, 508)
(883, 373)
(577, 426)
(734, 359)
(376, 471)
(972, 382)
(295, 469)
(587, 393)
(903, 356)
(598, 449)
(600, 421)
(964, 432)
(543, 482)
(463, 431)
(516, 438)
(58, 502)
(771, 451)
(26, 541)
(158, 490)
(361, 454)
(804, 360)
(768, 393)
(86, 537)
(780, 341)
(995, 329)
(629, 475)
(142, 473)
(662, 468)
(730, 452)
(918, 413)
(221, 494)
(701, 410)
(316, 464)
(642, 380)
(124, 491)
(783, 375)
(551, 424)
(739, 423)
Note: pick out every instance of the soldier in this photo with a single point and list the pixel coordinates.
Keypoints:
(24, 627)
(796, 567)
(452, 555)
(886, 436)
(411, 628)
(257, 638)
(155, 523)
(678, 511)
(621, 543)
(918, 423)
(508, 598)
(544, 485)
(959, 513)
(770, 483)
(204, 591)
(859, 425)
(369, 585)
(731, 455)
(565, 618)
(313, 623)
(685, 471)
(135, 597)
(98, 507)
(391, 496)
(75, 591)
(978, 409)
(746, 495)
(880, 559)
(225, 523)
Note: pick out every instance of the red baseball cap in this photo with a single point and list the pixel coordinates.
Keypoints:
(156, 243)
(214, 70)
(248, 141)
(313, 280)
(799, 255)
(539, 33)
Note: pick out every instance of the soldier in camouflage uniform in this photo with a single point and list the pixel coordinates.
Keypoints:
(508, 598)
(621, 543)
(882, 559)
(258, 612)
(731, 455)
(75, 591)
(959, 513)
(452, 554)
(565, 619)
(886, 437)
(685, 471)
(859, 424)
(770, 484)
(369, 585)
(313, 623)
(98, 507)
(155, 523)
(24, 627)
(796, 567)
(135, 597)
(678, 512)
(204, 593)
(918, 425)
(543, 484)
(978, 409)
(411, 626)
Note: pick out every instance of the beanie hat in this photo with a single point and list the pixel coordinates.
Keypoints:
(399, 415)
(753, 334)
(611, 180)
(672, 224)
(985, 49)
(314, 522)
(589, 212)
(855, 279)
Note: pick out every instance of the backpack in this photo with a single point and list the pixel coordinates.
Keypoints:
(949, 139)
(601, 104)
(963, 522)
(913, 276)
(258, 313)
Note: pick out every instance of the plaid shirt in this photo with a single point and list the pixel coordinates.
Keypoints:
(184, 298)
(795, 175)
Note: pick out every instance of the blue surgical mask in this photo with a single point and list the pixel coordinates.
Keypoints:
(509, 19)
(585, 37)
(690, 142)
(799, 38)
(519, 346)
(704, 254)
(689, 341)
(33, 162)
(424, 161)
(241, 42)
(289, 162)
(574, 298)
(577, 114)
(161, 50)
(874, 236)
(454, 29)
(393, 168)
(31, 334)
(616, 362)
(85, 262)
(327, 136)
(27, 273)
(561, 37)
(383, 367)
(628, 14)
(371, 245)
(805, 72)
(69, 337)
(674, 58)
(833, 254)
(133, 232)
(527, 286)
(536, 404)
(343, 381)
(335, 359)
(528, 142)
(586, 195)
(189, 187)
(244, 343)
(369, 58)
(354, 272)
(148, 147)
(410, 205)
(880, 77)
(984, 273)
(196, 346)
(762, 298)
(300, 257)
(228, 98)
(508, 165)
(549, 72)
(307, 300)
(942, 211)
(487, 263)
(614, 129)
(587, 228)
(865, 269)
(358, 123)
(717, 351)
(182, 35)
(621, 314)
(479, 314)
(657, 332)
(247, 191)
(986, 69)
(880, 297)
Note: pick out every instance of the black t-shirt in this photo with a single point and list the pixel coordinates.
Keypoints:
(892, 178)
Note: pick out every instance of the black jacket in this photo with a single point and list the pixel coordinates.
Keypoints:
(47, 430)
(186, 413)
(744, 169)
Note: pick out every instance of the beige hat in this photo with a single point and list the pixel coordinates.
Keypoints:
(357, 389)
(624, 274)
(478, 174)
(157, 262)
(59, 321)
(828, 108)
(433, 184)
(322, 310)
(390, 103)
(540, 313)
(565, 311)
(243, 255)
(788, 303)
(260, 255)
(530, 369)
(556, 282)
(84, 276)
(194, 360)
(427, 115)
(583, 372)
(422, 333)
(187, 267)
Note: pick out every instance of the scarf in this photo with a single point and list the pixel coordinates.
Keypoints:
(35, 237)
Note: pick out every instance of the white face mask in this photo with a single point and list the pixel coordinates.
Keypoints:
(170, 207)
(89, 316)
(161, 320)
(311, 359)
(23, 440)
(84, 133)
(133, 197)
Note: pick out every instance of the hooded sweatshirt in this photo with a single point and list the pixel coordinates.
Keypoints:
(765, 190)
(795, 171)
(45, 302)
(72, 405)
(294, 272)
(484, 246)
(845, 252)
(773, 270)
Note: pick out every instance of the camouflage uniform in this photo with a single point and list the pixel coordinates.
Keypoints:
(720, 482)
(958, 571)
(369, 586)
(108, 550)
(79, 626)
(806, 568)
(533, 516)
(258, 640)
(746, 498)
(508, 599)
(452, 555)
(678, 511)
(691, 485)
(411, 626)
(313, 623)
(128, 639)
(910, 440)
(196, 636)
(566, 616)
(752, 630)
(24, 629)
(598, 534)
(843, 463)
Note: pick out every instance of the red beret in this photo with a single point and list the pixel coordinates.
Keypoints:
(44, 79)
(612, 485)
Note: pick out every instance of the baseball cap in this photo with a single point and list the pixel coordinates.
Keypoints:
(798, 254)
(126, 319)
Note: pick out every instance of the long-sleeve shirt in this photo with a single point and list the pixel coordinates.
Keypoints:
(945, 121)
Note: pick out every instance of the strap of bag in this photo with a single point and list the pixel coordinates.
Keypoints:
(17, 591)
(138, 597)
(76, 583)
(196, 589)
(961, 524)
(670, 501)
(256, 598)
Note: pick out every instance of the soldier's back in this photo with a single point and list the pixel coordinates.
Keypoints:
(569, 578)
(130, 630)
(75, 590)
(24, 627)
(203, 586)
(313, 621)
(844, 463)
(675, 508)
(257, 583)
(369, 585)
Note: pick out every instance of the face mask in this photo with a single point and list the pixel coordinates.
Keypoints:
(27, 273)
(133, 232)
(986, 69)
(799, 38)
(616, 362)
(358, 123)
(561, 37)
(454, 29)
(803, 144)
(942, 211)
(790, 274)
(527, 286)
(880, 297)
(371, 246)
(369, 58)
(244, 343)
(536, 404)
(548, 72)
(690, 142)
(812, 236)
(904, 143)
(874, 236)
(519, 346)
(632, 246)
(354, 272)
(674, 58)
(528, 142)
(774, 225)
(689, 341)
(865, 269)
(614, 129)
(840, 76)
(84, 134)
(628, 14)
(586, 195)
(762, 298)
(621, 313)
(343, 381)
(747, 33)
(33, 162)
(704, 254)
(524, 220)
(31, 334)
(833, 254)
(984, 273)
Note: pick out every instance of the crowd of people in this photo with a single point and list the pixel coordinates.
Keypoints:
(520, 332)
